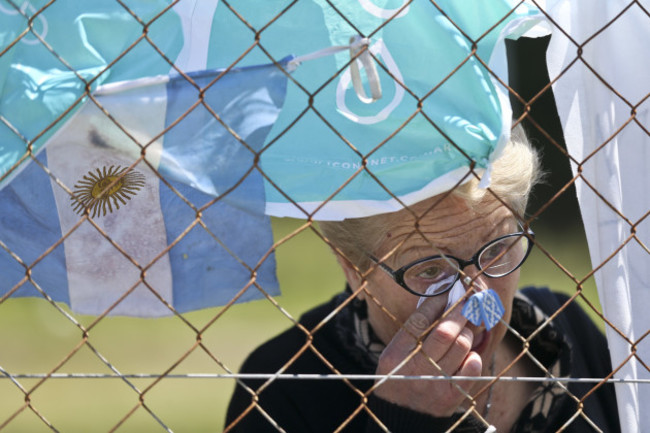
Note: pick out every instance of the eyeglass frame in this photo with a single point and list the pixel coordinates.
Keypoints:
(398, 275)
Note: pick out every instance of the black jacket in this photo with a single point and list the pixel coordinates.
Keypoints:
(303, 406)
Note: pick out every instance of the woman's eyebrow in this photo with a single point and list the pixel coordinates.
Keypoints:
(491, 234)
(426, 249)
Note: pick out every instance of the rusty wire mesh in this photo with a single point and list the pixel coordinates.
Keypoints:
(66, 373)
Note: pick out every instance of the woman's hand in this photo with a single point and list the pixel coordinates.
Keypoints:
(449, 344)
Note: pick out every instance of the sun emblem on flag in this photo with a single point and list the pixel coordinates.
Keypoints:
(103, 190)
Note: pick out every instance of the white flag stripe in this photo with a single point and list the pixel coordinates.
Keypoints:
(98, 273)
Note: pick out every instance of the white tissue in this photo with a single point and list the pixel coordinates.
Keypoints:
(455, 293)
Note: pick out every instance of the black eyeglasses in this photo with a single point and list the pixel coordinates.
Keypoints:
(435, 275)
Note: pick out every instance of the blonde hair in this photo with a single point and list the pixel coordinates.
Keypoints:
(513, 176)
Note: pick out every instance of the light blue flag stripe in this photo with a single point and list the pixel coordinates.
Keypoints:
(188, 159)
(28, 227)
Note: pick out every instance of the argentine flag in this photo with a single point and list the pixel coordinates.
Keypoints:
(148, 199)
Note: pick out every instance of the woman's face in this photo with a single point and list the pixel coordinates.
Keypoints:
(451, 228)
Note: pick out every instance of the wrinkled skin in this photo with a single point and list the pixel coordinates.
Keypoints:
(457, 346)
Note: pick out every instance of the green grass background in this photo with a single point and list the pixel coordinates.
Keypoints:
(36, 338)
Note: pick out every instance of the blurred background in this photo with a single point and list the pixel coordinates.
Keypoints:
(37, 339)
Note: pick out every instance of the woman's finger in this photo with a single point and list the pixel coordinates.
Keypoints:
(439, 340)
(459, 349)
(472, 366)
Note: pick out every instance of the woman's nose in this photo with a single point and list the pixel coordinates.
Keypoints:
(473, 278)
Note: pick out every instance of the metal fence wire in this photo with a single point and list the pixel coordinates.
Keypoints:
(60, 371)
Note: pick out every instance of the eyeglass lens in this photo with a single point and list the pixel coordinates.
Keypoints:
(496, 259)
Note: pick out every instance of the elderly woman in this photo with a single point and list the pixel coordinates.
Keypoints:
(409, 273)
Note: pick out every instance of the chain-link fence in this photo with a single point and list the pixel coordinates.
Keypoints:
(63, 371)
